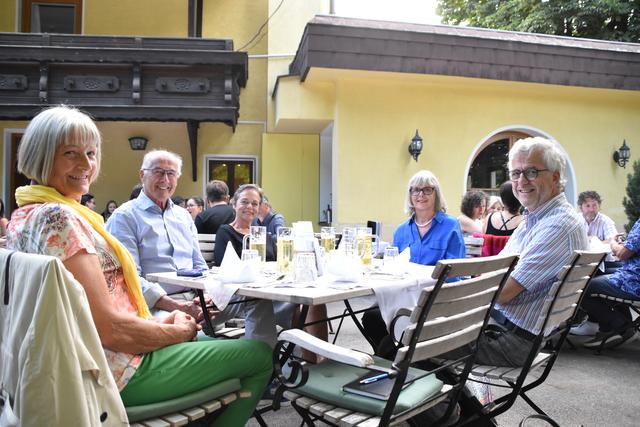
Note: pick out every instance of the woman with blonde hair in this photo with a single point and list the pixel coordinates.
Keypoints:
(152, 360)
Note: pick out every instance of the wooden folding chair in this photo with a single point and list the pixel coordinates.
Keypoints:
(447, 316)
(555, 320)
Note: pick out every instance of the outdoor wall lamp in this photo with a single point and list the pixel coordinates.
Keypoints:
(621, 157)
(138, 142)
(415, 147)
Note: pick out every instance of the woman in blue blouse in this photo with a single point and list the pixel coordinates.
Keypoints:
(429, 232)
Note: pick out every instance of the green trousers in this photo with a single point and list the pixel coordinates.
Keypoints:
(183, 368)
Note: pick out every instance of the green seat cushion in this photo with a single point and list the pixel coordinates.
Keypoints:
(326, 380)
(143, 412)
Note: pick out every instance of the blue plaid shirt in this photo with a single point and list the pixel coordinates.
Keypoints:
(627, 277)
(545, 240)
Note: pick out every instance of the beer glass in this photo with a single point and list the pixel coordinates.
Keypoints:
(328, 238)
(364, 238)
(285, 249)
(257, 239)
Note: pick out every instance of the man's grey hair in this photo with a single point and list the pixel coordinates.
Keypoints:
(154, 155)
(421, 179)
(552, 157)
(46, 132)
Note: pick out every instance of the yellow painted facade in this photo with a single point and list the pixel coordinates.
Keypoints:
(374, 115)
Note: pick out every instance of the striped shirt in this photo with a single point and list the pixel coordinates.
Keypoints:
(602, 227)
(545, 240)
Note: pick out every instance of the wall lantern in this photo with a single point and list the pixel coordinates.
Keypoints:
(415, 148)
(621, 157)
(138, 142)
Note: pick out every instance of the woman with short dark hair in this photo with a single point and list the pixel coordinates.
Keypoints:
(473, 205)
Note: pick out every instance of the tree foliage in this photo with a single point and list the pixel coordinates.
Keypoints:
(597, 19)
(631, 202)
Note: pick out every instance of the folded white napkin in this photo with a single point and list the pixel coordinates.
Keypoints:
(343, 268)
(405, 255)
(233, 270)
(231, 273)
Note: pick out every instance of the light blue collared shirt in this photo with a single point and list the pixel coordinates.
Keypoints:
(158, 240)
(546, 240)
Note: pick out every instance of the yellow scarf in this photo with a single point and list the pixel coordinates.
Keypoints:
(42, 194)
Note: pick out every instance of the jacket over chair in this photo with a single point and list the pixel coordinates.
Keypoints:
(52, 365)
(448, 315)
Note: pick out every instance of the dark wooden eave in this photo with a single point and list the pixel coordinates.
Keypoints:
(357, 44)
(123, 78)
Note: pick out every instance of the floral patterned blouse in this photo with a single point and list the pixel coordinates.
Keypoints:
(57, 230)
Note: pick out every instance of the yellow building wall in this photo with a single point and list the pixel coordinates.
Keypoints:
(290, 175)
(159, 18)
(376, 114)
(7, 16)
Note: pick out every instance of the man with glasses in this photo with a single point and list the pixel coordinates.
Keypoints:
(546, 240)
(162, 237)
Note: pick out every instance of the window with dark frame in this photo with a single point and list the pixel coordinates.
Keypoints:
(52, 16)
(234, 172)
(489, 169)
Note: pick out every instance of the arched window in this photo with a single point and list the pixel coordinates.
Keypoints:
(489, 169)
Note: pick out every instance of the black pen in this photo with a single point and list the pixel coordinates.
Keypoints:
(374, 378)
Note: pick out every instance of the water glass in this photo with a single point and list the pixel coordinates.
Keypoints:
(390, 260)
(285, 249)
(348, 236)
(304, 267)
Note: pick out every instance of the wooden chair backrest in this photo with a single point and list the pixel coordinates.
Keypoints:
(452, 314)
(564, 298)
(473, 246)
(207, 245)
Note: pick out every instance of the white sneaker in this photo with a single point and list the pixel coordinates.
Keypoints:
(586, 328)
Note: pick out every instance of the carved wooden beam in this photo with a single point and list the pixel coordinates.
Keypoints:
(192, 130)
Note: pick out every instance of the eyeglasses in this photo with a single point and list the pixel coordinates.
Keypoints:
(427, 191)
(529, 173)
(159, 172)
(244, 202)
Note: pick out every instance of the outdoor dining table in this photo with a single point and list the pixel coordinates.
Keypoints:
(392, 291)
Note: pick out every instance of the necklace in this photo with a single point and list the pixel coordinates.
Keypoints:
(425, 224)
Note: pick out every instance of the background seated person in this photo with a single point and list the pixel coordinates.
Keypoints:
(60, 154)
(473, 205)
(267, 217)
(218, 211)
(246, 202)
(599, 226)
(546, 240)
(615, 321)
(162, 237)
(430, 234)
(195, 205)
(504, 222)
(494, 205)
